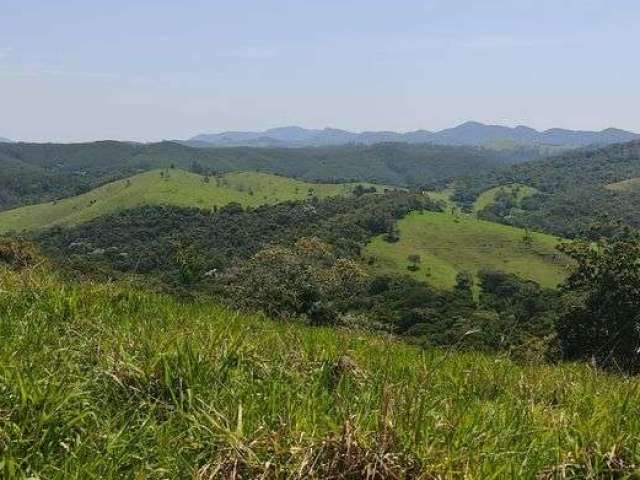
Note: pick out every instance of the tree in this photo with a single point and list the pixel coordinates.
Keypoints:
(392, 235)
(602, 319)
(464, 286)
(306, 279)
(414, 262)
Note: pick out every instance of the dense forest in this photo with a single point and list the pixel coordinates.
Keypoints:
(33, 173)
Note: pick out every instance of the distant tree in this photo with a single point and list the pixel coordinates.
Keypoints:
(414, 262)
(602, 319)
(360, 190)
(392, 235)
(464, 285)
(196, 167)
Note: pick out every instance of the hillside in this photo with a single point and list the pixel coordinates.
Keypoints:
(107, 381)
(450, 244)
(574, 189)
(468, 133)
(168, 187)
(35, 173)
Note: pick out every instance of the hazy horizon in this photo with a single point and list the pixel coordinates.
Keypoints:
(145, 71)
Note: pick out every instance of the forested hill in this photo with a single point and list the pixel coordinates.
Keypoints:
(597, 167)
(575, 189)
(33, 173)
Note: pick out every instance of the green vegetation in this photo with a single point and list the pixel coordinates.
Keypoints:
(265, 259)
(489, 197)
(601, 323)
(450, 244)
(152, 239)
(36, 173)
(183, 325)
(444, 196)
(574, 190)
(168, 187)
(107, 381)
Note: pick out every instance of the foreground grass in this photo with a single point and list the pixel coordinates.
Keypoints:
(101, 381)
(168, 187)
(449, 244)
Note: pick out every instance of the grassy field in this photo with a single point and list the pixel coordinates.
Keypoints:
(625, 186)
(448, 244)
(487, 197)
(172, 187)
(105, 381)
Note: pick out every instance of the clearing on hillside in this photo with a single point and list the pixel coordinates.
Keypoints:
(168, 187)
(625, 185)
(448, 244)
(488, 197)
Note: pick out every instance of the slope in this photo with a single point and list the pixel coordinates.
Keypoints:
(450, 244)
(574, 189)
(108, 381)
(34, 173)
(167, 187)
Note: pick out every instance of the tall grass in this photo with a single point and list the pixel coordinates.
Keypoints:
(104, 381)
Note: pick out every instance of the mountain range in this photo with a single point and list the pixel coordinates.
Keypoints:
(5, 140)
(469, 133)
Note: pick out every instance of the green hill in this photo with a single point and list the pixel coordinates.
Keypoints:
(449, 244)
(108, 381)
(168, 187)
(35, 173)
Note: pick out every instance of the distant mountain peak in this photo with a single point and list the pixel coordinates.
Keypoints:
(471, 123)
(467, 133)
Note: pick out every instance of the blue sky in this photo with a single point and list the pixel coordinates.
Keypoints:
(148, 70)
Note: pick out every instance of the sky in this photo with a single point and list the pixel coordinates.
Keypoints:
(148, 70)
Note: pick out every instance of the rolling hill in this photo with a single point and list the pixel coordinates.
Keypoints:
(168, 187)
(35, 173)
(449, 244)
